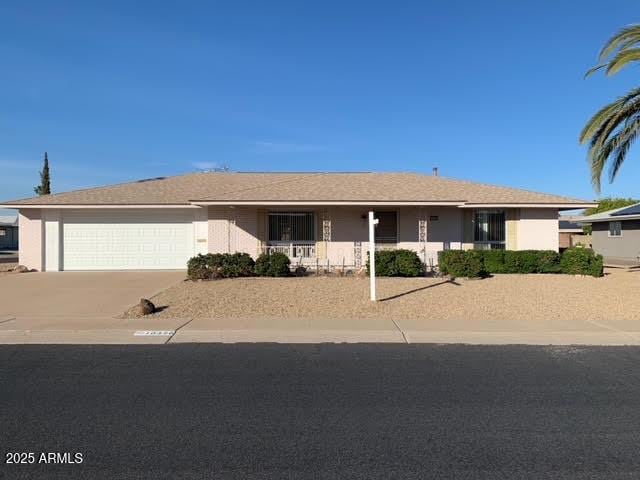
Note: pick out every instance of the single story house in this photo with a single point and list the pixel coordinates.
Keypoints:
(571, 232)
(315, 218)
(9, 232)
(616, 234)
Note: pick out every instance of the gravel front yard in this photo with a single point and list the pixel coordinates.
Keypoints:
(527, 297)
(5, 267)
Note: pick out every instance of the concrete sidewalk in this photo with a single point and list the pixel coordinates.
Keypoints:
(108, 330)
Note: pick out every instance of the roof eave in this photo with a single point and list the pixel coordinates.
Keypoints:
(616, 218)
(97, 205)
(324, 202)
(558, 205)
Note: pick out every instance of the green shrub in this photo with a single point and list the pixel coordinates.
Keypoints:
(548, 261)
(197, 268)
(220, 265)
(397, 263)
(274, 264)
(581, 261)
(462, 263)
(531, 261)
(493, 260)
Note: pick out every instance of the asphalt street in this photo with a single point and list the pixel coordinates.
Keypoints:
(320, 411)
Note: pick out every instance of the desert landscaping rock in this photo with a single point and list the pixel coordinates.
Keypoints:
(502, 297)
(145, 307)
(6, 268)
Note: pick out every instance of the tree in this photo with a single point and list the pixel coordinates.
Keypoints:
(604, 205)
(45, 181)
(611, 132)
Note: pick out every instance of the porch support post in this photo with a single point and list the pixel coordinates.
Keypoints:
(372, 255)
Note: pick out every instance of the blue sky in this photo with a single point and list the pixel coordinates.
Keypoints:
(490, 91)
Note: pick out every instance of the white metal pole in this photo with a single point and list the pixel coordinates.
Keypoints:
(372, 257)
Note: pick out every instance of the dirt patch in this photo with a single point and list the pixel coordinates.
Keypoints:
(502, 297)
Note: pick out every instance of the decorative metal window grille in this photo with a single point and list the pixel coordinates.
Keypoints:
(326, 230)
(291, 227)
(357, 254)
(615, 229)
(422, 231)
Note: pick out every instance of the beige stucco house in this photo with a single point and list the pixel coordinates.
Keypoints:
(316, 218)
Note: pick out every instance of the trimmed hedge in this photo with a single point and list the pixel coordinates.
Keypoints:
(462, 263)
(479, 263)
(274, 264)
(582, 261)
(220, 265)
(397, 263)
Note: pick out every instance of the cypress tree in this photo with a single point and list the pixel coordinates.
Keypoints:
(45, 181)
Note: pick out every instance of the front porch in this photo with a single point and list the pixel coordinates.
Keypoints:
(337, 236)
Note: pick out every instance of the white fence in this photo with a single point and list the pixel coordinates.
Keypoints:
(295, 251)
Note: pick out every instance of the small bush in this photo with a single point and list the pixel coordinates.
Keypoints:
(581, 261)
(220, 265)
(274, 264)
(462, 263)
(493, 260)
(197, 268)
(397, 263)
(548, 261)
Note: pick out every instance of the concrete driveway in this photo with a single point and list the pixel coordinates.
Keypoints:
(85, 295)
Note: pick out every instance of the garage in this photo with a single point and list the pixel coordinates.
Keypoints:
(125, 240)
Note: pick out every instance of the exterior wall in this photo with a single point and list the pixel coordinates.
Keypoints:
(233, 230)
(345, 241)
(512, 218)
(10, 239)
(538, 229)
(31, 233)
(564, 240)
(347, 228)
(445, 233)
(626, 247)
(52, 220)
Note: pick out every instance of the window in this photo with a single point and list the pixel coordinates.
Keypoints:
(615, 229)
(387, 229)
(489, 230)
(292, 227)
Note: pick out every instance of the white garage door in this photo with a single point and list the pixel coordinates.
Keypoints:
(126, 240)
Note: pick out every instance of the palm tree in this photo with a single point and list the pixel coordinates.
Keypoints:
(613, 129)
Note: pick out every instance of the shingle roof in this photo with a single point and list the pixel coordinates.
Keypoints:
(9, 220)
(567, 225)
(296, 187)
(630, 212)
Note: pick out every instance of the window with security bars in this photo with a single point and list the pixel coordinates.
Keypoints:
(387, 229)
(489, 230)
(615, 229)
(292, 227)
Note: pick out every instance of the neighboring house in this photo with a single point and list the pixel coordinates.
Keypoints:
(571, 233)
(9, 232)
(616, 234)
(315, 218)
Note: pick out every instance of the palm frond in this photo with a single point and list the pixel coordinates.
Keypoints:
(626, 37)
(614, 144)
(622, 59)
(595, 127)
(595, 69)
(622, 150)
